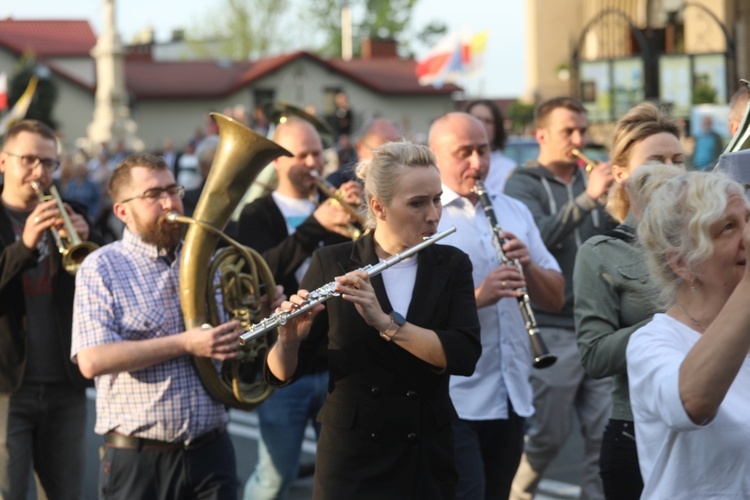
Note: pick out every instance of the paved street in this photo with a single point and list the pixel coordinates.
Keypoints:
(244, 431)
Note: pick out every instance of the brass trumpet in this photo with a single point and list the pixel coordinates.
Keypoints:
(590, 164)
(337, 196)
(72, 249)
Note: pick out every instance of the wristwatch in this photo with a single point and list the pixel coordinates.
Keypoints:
(397, 321)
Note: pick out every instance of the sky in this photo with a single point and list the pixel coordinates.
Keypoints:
(503, 75)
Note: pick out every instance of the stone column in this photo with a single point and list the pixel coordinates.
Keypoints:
(111, 123)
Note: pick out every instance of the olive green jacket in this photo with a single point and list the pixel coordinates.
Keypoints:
(613, 298)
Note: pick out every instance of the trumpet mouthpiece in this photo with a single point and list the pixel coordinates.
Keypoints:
(173, 216)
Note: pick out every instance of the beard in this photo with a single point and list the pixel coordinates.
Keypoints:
(161, 233)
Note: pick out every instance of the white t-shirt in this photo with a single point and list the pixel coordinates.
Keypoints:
(678, 458)
(503, 370)
(399, 282)
(295, 211)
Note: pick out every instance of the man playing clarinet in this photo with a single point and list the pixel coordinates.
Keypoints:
(492, 403)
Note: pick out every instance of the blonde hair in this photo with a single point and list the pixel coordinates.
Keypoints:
(677, 220)
(380, 174)
(640, 122)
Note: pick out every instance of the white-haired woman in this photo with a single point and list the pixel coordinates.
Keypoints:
(688, 368)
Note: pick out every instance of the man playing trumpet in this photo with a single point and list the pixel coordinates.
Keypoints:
(42, 394)
(567, 208)
(286, 226)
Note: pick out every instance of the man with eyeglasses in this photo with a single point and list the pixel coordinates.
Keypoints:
(42, 394)
(164, 435)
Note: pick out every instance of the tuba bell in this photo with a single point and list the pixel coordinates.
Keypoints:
(242, 275)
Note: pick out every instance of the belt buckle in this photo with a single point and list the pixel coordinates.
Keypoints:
(202, 440)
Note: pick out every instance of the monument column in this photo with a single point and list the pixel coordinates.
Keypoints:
(111, 123)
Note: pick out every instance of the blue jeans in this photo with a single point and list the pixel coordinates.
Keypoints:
(283, 418)
(44, 426)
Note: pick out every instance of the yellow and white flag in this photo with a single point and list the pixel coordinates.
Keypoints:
(18, 112)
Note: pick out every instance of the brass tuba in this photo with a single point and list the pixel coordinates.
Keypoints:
(243, 275)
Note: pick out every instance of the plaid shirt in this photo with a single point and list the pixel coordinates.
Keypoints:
(127, 291)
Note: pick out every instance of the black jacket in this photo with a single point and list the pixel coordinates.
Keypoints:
(386, 419)
(15, 258)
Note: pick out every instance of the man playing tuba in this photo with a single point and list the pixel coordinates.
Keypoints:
(164, 434)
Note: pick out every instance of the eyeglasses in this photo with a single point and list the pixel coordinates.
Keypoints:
(30, 162)
(153, 195)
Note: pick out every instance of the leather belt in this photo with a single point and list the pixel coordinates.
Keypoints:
(121, 441)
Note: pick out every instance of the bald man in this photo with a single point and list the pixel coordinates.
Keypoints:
(286, 226)
(373, 134)
(493, 403)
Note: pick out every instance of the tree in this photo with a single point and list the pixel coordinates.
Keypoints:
(388, 19)
(521, 116)
(45, 97)
(245, 29)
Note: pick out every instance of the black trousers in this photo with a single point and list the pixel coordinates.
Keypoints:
(205, 472)
(487, 454)
(618, 462)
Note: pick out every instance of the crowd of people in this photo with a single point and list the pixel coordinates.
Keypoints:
(417, 378)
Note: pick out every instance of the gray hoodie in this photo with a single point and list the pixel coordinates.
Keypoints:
(566, 217)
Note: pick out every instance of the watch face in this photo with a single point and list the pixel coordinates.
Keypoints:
(397, 318)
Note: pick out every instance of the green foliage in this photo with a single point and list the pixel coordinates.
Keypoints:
(386, 19)
(247, 29)
(252, 28)
(521, 116)
(432, 33)
(704, 93)
(45, 97)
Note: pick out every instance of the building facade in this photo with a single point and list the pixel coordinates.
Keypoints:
(612, 54)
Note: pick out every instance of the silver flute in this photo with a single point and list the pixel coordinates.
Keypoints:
(328, 291)
(542, 357)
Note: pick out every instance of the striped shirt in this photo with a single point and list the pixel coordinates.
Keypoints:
(128, 291)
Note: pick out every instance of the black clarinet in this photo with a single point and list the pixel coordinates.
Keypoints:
(542, 357)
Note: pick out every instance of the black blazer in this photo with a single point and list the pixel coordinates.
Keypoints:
(386, 420)
(15, 258)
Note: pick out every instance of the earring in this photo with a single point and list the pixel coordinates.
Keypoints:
(693, 288)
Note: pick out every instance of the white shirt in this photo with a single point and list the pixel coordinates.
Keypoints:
(502, 372)
(500, 168)
(399, 280)
(678, 458)
(295, 211)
